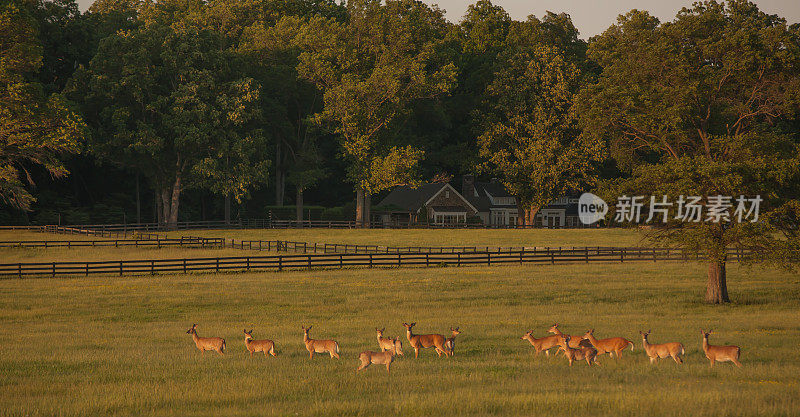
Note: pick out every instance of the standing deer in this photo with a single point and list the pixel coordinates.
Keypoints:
(655, 352)
(450, 343)
(319, 346)
(575, 341)
(419, 341)
(725, 353)
(381, 358)
(266, 346)
(207, 343)
(589, 354)
(542, 344)
(386, 343)
(612, 344)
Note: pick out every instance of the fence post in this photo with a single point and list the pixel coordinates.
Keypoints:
(152, 267)
(87, 269)
(120, 268)
(552, 257)
(248, 263)
(459, 259)
(184, 265)
(54, 269)
(654, 254)
(587, 254)
(488, 258)
(341, 261)
(370, 260)
(309, 261)
(280, 263)
(217, 265)
(20, 270)
(621, 255)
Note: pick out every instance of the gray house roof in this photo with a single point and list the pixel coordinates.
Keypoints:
(408, 199)
(482, 201)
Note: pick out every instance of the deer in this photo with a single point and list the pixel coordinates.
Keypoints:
(252, 345)
(542, 344)
(589, 354)
(387, 343)
(369, 357)
(663, 350)
(207, 343)
(575, 341)
(727, 353)
(419, 341)
(319, 346)
(450, 343)
(611, 345)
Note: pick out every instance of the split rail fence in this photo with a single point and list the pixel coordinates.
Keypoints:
(352, 260)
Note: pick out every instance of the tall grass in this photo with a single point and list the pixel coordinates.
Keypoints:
(108, 345)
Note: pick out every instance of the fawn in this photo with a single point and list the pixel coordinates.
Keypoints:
(386, 343)
(207, 343)
(589, 354)
(725, 353)
(542, 344)
(381, 358)
(419, 341)
(450, 343)
(319, 346)
(266, 346)
(612, 344)
(663, 350)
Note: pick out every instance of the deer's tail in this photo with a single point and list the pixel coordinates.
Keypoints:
(631, 343)
(223, 345)
(272, 350)
(336, 347)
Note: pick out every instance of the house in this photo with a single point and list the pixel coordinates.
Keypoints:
(437, 203)
(496, 207)
(440, 203)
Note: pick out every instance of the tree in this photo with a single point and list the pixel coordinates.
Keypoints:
(291, 102)
(530, 136)
(34, 129)
(167, 101)
(370, 70)
(697, 107)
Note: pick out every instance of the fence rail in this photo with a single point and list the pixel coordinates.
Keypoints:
(351, 260)
(184, 242)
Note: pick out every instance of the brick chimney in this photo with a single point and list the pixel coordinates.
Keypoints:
(468, 186)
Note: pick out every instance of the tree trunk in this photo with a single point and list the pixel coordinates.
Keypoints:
(367, 209)
(359, 206)
(227, 208)
(175, 201)
(138, 201)
(159, 213)
(521, 220)
(530, 215)
(279, 174)
(717, 286)
(165, 213)
(299, 206)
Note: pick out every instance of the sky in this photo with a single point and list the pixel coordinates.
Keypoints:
(592, 17)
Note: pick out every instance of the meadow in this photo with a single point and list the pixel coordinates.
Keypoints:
(118, 346)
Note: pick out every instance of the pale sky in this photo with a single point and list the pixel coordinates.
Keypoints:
(592, 16)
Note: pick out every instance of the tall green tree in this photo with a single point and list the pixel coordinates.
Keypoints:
(36, 129)
(167, 101)
(698, 107)
(371, 69)
(531, 137)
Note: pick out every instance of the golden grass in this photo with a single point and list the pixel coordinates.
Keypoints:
(437, 237)
(109, 345)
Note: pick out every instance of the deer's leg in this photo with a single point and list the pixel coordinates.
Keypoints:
(363, 365)
(387, 368)
(652, 360)
(736, 361)
(311, 354)
(712, 362)
(416, 352)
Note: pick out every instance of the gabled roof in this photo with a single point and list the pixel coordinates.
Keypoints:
(411, 199)
(482, 201)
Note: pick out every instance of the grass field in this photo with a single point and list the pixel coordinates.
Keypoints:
(412, 237)
(117, 346)
(437, 237)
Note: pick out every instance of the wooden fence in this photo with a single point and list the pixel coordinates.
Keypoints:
(351, 260)
(184, 242)
(309, 247)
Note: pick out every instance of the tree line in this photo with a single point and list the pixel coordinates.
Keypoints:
(226, 96)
